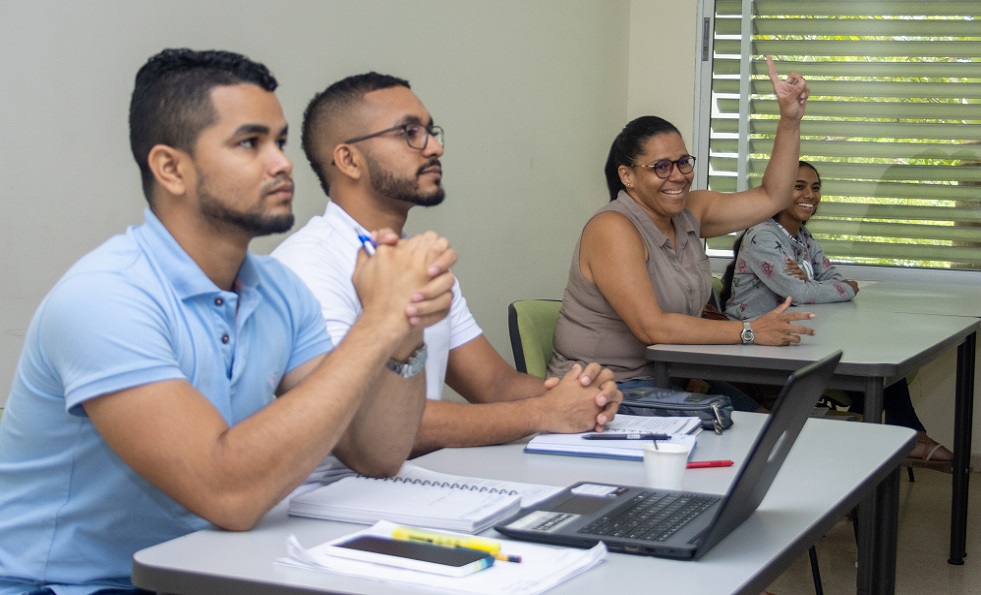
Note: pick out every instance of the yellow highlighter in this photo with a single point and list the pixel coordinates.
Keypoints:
(449, 540)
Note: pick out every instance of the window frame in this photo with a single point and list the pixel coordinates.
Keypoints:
(700, 146)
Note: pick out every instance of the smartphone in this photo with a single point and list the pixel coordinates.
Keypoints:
(414, 555)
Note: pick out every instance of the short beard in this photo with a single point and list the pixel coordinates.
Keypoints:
(403, 189)
(252, 222)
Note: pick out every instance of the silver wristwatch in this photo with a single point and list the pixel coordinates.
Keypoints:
(412, 366)
(748, 336)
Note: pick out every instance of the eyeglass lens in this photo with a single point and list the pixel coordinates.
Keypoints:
(417, 135)
(662, 168)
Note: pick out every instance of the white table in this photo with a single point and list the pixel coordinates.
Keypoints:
(942, 299)
(880, 348)
(812, 492)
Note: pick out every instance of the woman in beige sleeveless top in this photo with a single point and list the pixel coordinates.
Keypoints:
(639, 274)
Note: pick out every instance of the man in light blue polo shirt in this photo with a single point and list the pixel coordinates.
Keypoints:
(144, 405)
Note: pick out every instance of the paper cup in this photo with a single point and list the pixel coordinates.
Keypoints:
(664, 466)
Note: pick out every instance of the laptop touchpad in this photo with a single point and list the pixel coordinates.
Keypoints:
(582, 505)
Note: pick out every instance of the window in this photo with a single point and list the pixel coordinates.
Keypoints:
(893, 123)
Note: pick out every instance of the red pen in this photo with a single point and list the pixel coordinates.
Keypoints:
(706, 464)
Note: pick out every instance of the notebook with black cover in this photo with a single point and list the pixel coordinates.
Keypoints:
(582, 514)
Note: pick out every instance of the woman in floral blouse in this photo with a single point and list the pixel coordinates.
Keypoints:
(780, 258)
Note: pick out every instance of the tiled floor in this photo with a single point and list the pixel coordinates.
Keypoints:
(924, 540)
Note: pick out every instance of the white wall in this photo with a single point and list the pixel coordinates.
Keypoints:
(530, 94)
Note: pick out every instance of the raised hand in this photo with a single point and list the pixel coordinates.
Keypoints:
(791, 93)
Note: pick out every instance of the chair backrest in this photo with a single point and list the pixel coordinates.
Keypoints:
(531, 324)
(716, 292)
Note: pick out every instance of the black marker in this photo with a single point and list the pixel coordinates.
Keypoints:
(632, 436)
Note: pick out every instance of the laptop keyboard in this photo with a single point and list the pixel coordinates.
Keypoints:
(651, 516)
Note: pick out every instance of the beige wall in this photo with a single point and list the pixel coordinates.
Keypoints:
(530, 93)
(664, 43)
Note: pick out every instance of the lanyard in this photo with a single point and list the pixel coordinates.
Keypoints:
(805, 262)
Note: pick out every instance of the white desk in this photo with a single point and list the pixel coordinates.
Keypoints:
(812, 492)
(880, 348)
(943, 299)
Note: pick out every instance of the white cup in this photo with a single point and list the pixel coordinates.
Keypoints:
(664, 465)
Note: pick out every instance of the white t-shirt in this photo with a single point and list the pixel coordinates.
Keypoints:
(323, 253)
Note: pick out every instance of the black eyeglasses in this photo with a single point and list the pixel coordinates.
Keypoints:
(416, 135)
(662, 168)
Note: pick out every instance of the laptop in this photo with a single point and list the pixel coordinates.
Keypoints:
(667, 524)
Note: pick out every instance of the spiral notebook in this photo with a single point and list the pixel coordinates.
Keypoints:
(420, 497)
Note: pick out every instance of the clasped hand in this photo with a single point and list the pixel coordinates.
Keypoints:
(582, 400)
(406, 277)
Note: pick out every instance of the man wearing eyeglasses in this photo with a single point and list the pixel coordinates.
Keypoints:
(376, 152)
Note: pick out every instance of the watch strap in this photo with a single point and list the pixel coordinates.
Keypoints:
(412, 366)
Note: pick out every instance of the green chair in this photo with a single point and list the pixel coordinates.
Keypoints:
(531, 324)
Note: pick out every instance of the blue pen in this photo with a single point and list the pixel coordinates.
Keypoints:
(367, 243)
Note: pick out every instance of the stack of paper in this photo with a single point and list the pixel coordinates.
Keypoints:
(681, 429)
(542, 567)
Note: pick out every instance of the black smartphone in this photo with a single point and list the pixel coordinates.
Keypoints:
(414, 555)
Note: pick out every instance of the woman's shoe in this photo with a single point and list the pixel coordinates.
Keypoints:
(930, 454)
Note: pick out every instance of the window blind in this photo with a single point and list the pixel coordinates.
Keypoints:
(893, 122)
